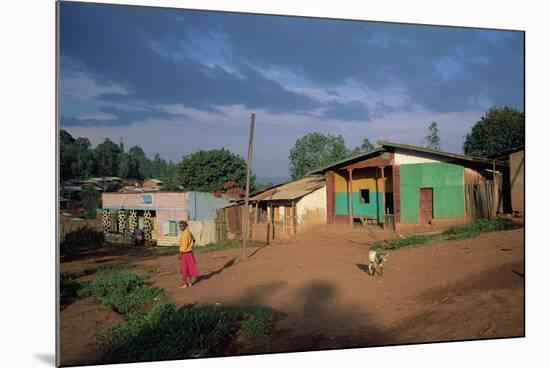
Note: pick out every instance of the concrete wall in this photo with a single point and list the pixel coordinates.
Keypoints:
(159, 201)
(447, 181)
(517, 180)
(203, 206)
(311, 209)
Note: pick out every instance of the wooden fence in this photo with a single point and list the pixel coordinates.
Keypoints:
(70, 227)
(479, 199)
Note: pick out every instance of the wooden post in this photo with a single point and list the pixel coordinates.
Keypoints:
(383, 198)
(495, 190)
(350, 195)
(247, 195)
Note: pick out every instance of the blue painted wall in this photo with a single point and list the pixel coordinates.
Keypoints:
(203, 206)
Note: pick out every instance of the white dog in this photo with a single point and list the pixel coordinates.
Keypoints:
(376, 258)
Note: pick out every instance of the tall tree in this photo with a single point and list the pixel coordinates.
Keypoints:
(140, 166)
(67, 155)
(207, 171)
(91, 199)
(432, 138)
(107, 157)
(366, 146)
(83, 166)
(501, 128)
(314, 150)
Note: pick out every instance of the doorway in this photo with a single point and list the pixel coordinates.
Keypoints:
(426, 205)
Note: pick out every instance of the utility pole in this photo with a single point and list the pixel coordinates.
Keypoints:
(248, 169)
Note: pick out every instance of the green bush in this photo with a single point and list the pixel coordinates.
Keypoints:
(394, 244)
(257, 327)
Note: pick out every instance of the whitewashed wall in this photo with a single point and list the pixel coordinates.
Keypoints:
(312, 208)
(402, 157)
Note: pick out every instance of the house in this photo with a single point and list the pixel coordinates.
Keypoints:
(290, 208)
(277, 212)
(397, 184)
(514, 191)
(158, 213)
(152, 184)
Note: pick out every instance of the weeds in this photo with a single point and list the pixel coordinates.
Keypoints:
(68, 289)
(126, 293)
(473, 229)
(395, 244)
(168, 333)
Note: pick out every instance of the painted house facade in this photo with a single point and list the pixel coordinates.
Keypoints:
(159, 212)
(401, 184)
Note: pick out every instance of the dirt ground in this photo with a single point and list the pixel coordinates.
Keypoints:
(467, 289)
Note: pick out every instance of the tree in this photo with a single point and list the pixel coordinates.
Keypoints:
(139, 164)
(499, 130)
(159, 168)
(67, 155)
(207, 171)
(366, 146)
(315, 150)
(90, 201)
(107, 157)
(433, 137)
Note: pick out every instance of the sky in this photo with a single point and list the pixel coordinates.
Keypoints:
(176, 81)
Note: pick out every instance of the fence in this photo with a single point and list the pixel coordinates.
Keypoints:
(479, 199)
(84, 229)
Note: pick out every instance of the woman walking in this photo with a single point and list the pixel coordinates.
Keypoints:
(188, 265)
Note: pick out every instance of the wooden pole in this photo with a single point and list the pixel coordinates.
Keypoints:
(247, 195)
(383, 198)
(350, 192)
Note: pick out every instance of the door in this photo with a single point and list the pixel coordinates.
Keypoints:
(426, 205)
(288, 221)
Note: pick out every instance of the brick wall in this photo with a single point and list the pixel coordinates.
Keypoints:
(165, 241)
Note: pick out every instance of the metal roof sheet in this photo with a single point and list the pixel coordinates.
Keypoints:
(291, 191)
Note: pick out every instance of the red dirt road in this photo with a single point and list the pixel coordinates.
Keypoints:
(467, 289)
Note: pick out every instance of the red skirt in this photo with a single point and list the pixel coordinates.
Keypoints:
(188, 265)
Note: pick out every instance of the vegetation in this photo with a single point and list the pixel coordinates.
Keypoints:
(499, 130)
(207, 171)
(170, 333)
(469, 230)
(475, 228)
(432, 138)
(366, 146)
(68, 289)
(84, 237)
(126, 293)
(91, 200)
(315, 150)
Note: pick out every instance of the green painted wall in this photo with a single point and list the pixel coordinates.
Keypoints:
(447, 181)
(359, 209)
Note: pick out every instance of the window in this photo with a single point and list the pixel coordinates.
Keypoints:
(364, 196)
(172, 228)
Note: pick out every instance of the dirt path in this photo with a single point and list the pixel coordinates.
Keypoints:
(458, 290)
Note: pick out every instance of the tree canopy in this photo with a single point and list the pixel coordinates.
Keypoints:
(207, 171)
(501, 129)
(314, 150)
(366, 146)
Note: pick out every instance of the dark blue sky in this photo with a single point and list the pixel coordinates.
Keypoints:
(175, 81)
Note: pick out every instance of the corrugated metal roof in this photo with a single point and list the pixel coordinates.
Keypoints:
(291, 191)
(389, 146)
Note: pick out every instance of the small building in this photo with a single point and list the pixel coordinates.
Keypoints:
(397, 184)
(158, 213)
(278, 212)
(514, 192)
(152, 184)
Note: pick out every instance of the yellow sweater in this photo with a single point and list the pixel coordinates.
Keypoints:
(186, 241)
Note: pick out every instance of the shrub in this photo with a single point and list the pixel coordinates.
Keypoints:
(394, 244)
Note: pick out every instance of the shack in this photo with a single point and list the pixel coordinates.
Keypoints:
(278, 212)
(397, 184)
(158, 213)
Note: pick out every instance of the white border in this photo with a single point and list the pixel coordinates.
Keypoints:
(27, 151)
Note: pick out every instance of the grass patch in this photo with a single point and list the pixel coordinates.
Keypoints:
(127, 293)
(109, 268)
(395, 244)
(477, 227)
(169, 333)
(470, 230)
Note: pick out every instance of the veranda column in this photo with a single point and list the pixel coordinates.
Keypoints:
(350, 195)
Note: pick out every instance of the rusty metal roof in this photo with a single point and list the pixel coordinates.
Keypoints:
(290, 191)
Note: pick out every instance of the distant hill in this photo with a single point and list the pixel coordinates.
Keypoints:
(273, 180)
